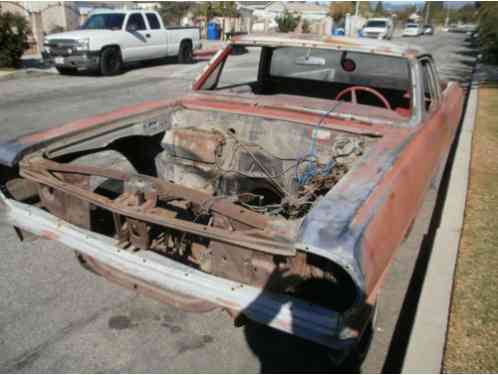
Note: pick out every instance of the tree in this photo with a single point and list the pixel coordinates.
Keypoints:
(287, 22)
(488, 31)
(172, 12)
(437, 13)
(210, 9)
(467, 13)
(339, 9)
(405, 13)
(14, 31)
(379, 9)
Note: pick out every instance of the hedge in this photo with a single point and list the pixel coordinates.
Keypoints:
(14, 31)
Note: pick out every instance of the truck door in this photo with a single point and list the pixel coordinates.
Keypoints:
(136, 45)
(156, 36)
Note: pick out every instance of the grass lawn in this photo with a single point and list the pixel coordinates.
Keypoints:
(472, 344)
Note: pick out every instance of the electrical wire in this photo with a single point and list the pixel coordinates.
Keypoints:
(312, 169)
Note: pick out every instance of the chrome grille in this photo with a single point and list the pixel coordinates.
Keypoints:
(62, 47)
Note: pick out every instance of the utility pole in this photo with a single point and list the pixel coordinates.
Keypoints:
(427, 12)
(447, 20)
(357, 9)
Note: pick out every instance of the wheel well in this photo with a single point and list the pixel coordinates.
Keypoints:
(110, 46)
(186, 41)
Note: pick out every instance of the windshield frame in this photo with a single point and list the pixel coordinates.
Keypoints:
(107, 15)
(215, 68)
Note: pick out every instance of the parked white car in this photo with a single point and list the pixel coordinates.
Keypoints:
(413, 29)
(110, 38)
(378, 28)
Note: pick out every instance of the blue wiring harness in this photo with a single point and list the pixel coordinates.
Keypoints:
(312, 168)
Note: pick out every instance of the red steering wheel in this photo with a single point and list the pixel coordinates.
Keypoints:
(354, 89)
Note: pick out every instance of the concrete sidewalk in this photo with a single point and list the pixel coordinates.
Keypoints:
(427, 341)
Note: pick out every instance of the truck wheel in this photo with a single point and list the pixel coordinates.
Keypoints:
(65, 71)
(110, 61)
(185, 55)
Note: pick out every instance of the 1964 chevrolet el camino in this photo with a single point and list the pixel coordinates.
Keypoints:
(281, 197)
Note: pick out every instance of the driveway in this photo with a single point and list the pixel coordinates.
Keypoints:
(55, 316)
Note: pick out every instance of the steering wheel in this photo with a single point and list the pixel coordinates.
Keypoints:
(354, 89)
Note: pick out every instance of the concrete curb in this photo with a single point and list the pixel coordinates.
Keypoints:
(29, 72)
(427, 341)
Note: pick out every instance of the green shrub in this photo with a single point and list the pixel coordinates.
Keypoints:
(287, 22)
(14, 32)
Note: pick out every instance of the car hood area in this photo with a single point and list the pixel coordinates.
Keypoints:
(77, 35)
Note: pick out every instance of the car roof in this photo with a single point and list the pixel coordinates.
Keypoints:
(372, 46)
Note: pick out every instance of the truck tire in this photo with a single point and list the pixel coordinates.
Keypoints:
(110, 61)
(185, 54)
(65, 71)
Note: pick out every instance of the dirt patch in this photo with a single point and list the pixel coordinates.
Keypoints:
(472, 344)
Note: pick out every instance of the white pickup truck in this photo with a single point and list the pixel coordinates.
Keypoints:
(378, 28)
(110, 38)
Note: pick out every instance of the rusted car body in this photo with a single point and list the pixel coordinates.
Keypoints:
(274, 199)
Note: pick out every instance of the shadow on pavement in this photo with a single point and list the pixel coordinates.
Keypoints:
(37, 63)
(34, 63)
(280, 352)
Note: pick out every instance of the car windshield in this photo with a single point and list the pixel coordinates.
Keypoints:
(376, 24)
(106, 21)
(411, 26)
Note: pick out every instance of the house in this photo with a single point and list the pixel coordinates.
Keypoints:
(55, 15)
(252, 6)
(147, 5)
(312, 11)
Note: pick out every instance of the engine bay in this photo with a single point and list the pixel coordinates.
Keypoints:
(267, 166)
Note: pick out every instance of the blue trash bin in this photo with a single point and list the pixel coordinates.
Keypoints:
(213, 31)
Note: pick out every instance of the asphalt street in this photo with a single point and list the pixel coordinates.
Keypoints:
(55, 316)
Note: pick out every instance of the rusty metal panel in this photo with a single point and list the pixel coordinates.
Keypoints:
(68, 207)
(193, 144)
(285, 313)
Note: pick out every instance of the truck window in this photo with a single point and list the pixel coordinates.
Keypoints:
(153, 21)
(138, 20)
(104, 21)
(380, 24)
